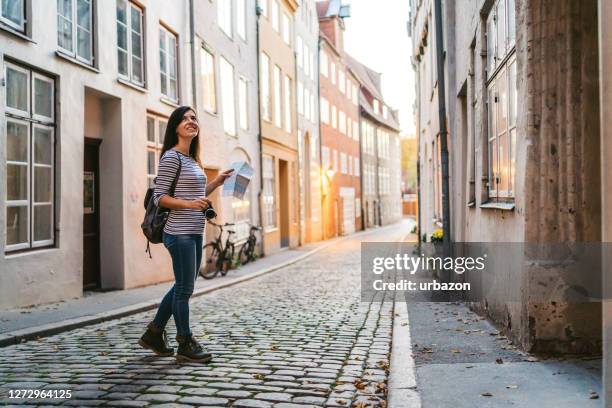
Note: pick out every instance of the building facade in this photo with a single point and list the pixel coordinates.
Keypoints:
(227, 102)
(307, 104)
(524, 146)
(339, 111)
(380, 150)
(280, 193)
(83, 113)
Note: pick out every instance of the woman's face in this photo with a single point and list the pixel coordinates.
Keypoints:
(189, 126)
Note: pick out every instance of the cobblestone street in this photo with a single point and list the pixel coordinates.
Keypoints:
(296, 337)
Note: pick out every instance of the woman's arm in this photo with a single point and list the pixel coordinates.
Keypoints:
(176, 203)
(218, 181)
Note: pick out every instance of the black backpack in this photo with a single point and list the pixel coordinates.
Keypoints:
(155, 216)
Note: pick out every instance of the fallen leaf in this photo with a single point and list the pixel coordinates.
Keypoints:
(511, 387)
(499, 361)
(593, 395)
(532, 359)
(470, 366)
(486, 394)
(341, 402)
(360, 385)
(455, 351)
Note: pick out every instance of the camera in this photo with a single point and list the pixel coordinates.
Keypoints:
(209, 213)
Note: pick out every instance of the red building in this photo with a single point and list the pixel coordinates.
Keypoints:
(339, 117)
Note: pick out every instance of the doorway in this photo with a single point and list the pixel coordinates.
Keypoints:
(283, 191)
(91, 214)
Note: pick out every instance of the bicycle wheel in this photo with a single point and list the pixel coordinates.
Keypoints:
(228, 259)
(213, 262)
(246, 252)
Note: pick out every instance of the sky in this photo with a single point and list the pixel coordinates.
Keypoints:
(376, 36)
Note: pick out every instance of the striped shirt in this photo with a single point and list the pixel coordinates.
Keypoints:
(191, 185)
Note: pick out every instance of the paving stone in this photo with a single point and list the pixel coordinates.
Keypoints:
(164, 389)
(274, 396)
(204, 400)
(230, 386)
(234, 394)
(251, 403)
(158, 397)
(309, 400)
(127, 403)
(198, 391)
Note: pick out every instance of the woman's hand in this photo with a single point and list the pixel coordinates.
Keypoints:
(225, 174)
(199, 204)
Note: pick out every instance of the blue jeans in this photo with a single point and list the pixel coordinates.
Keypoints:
(186, 253)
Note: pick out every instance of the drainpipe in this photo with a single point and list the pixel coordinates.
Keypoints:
(446, 225)
(362, 201)
(300, 161)
(418, 146)
(193, 53)
(259, 137)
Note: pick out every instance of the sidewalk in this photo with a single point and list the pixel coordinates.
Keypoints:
(17, 325)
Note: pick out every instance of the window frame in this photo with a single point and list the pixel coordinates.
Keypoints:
(241, 19)
(22, 28)
(129, 32)
(74, 33)
(228, 18)
(229, 126)
(243, 103)
(156, 145)
(269, 197)
(208, 107)
(265, 87)
(32, 121)
(167, 35)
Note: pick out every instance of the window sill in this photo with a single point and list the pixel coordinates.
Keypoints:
(29, 252)
(495, 205)
(270, 229)
(76, 62)
(471, 204)
(16, 33)
(132, 85)
(170, 102)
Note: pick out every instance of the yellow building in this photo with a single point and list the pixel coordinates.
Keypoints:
(280, 192)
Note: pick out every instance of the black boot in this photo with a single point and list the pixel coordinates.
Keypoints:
(155, 339)
(189, 350)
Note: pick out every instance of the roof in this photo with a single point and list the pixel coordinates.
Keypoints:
(371, 80)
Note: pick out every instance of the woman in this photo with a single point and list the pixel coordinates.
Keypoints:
(182, 233)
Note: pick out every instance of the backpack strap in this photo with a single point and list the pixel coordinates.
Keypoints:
(176, 177)
(148, 249)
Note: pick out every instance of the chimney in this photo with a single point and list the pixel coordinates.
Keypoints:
(331, 21)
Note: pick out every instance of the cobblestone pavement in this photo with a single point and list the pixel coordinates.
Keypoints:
(297, 337)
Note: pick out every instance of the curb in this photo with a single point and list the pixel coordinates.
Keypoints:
(46, 330)
(402, 375)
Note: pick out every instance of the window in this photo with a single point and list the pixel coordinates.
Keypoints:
(355, 130)
(269, 201)
(275, 15)
(357, 167)
(325, 157)
(343, 168)
(341, 80)
(502, 100)
(156, 129)
(349, 127)
(241, 18)
(288, 104)
(306, 103)
(168, 65)
(13, 14)
(376, 106)
(207, 73)
(130, 42)
(265, 86)
(300, 98)
(355, 95)
(228, 107)
(286, 29)
(350, 165)
(385, 111)
(276, 79)
(342, 121)
(243, 103)
(333, 73)
(335, 158)
(224, 16)
(263, 6)
(313, 111)
(323, 64)
(299, 51)
(74, 28)
(324, 111)
(30, 156)
(334, 118)
(306, 52)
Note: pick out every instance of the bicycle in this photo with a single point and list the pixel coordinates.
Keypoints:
(221, 256)
(247, 251)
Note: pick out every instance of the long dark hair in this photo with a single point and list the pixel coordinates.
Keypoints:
(171, 137)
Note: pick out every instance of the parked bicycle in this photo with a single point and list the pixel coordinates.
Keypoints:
(247, 251)
(221, 254)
